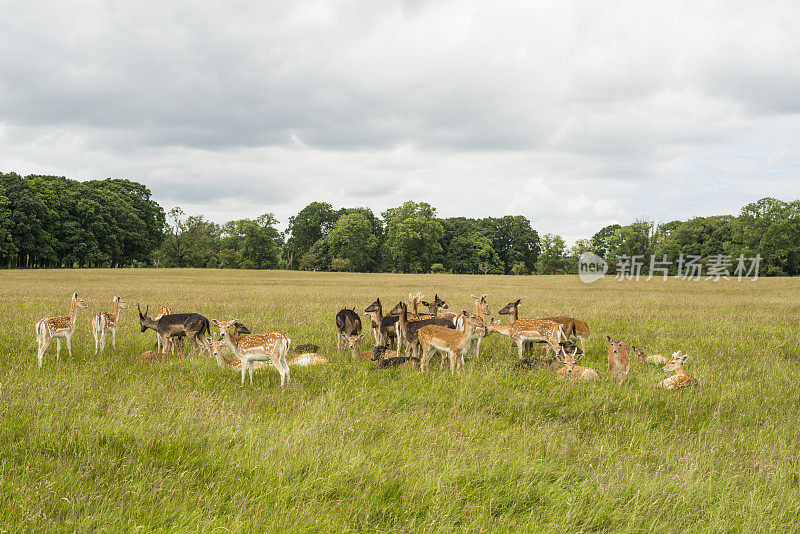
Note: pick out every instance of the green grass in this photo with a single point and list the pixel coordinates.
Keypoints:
(95, 443)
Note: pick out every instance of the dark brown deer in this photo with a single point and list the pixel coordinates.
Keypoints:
(348, 329)
(384, 359)
(192, 325)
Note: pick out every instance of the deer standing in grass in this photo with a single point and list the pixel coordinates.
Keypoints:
(251, 348)
(348, 329)
(384, 328)
(453, 342)
(104, 322)
(171, 343)
(655, 359)
(61, 326)
(536, 330)
(681, 379)
(572, 371)
(619, 359)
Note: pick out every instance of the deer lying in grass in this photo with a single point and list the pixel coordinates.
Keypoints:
(250, 348)
(348, 329)
(435, 338)
(385, 358)
(572, 371)
(104, 322)
(619, 359)
(58, 327)
(681, 379)
(655, 359)
(384, 328)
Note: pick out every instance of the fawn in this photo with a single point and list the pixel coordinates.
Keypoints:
(680, 380)
(572, 371)
(655, 359)
(619, 359)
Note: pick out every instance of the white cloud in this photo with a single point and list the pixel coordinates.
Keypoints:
(575, 114)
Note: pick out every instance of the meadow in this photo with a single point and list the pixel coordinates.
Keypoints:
(105, 443)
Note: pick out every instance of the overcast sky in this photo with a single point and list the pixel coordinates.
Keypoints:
(574, 114)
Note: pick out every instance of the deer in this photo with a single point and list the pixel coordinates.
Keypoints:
(435, 338)
(481, 312)
(104, 322)
(655, 359)
(192, 325)
(58, 327)
(407, 330)
(572, 371)
(250, 348)
(348, 329)
(384, 328)
(619, 359)
(536, 330)
(681, 379)
(385, 358)
(436, 305)
(534, 362)
(415, 301)
(172, 343)
(301, 359)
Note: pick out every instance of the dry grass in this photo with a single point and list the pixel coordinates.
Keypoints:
(106, 443)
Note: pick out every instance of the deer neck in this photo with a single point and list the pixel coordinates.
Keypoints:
(415, 307)
(479, 309)
(232, 340)
(680, 370)
(115, 313)
(73, 312)
(505, 330)
(513, 314)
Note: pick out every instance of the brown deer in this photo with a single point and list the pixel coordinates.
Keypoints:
(681, 379)
(435, 338)
(655, 359)
(250, 348)
(58, 327)
(619, 359)
(572, 371)
(384, 328)
(301, 359)
(407, 329)
(522, 330)
(348, 329)
(104, 322)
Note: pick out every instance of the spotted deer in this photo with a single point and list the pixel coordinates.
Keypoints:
(104, 322)
(250, 348)
(619, 359)
(435, 338)
(572, 371)
(301, 359)
(523, 330)
(58, 327)
(655, 359)
(681, 379)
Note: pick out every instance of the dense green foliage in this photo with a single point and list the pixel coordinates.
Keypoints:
(48, 221)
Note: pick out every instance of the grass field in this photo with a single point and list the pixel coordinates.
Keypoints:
(106, 443)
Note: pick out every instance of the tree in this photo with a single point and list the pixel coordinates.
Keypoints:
(551, 259)
(412, 237)
(600, 240)
(256, 242)
(513, 239)
(352, 238)
(188, 242)
(310, 225)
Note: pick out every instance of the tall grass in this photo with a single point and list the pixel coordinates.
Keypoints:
(105, 443)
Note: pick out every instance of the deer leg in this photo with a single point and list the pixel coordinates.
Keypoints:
(426, 356)
(452, 356)
(244, 370)
(114, 338)
(96, 338)
(250, 371)
(520, 348)
(58, 348)
(44, 342)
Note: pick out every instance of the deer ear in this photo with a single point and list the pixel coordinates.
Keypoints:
(214, 322)
(608, 338)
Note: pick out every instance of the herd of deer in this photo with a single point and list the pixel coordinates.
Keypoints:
(455, 336)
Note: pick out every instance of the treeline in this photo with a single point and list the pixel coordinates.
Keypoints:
(48, 221)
